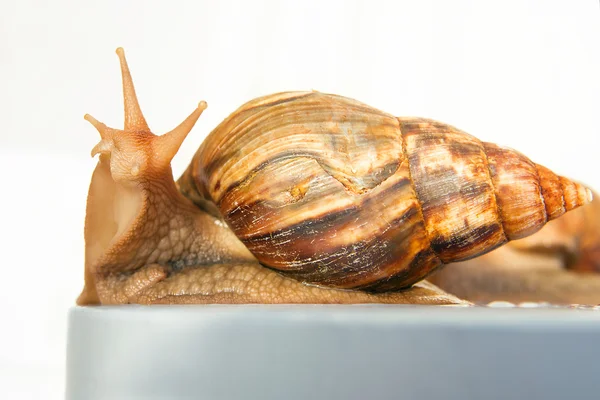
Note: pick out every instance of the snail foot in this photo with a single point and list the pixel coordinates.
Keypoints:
(252, 283)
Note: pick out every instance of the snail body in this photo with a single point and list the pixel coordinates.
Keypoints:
(323, 189)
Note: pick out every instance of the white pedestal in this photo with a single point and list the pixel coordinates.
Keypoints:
(332, 352)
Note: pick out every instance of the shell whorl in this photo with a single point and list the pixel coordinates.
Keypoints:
(334, 192)
(529, 194)
(476, 196)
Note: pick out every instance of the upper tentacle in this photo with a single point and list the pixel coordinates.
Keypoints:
(134, 118)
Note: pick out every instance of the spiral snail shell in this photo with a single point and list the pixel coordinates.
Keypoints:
(337, 193)
(321, 188)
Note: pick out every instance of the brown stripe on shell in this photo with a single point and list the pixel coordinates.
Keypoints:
(282, 193)
(453, 185)
(391, 261)
(389, 204)
(368, 181)
(552, 192)
(421, 265)
(331, 250)
(204, 165)
(518, 192)
(346, 137)
(341, 159)
(308, 224)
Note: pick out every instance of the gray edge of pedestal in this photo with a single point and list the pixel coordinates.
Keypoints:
(332, 352)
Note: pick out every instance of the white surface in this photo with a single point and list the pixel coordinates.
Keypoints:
(523, 74)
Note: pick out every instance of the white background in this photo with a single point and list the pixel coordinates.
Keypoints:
(520, 73)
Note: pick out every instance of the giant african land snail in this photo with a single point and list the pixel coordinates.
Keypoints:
(302, 197)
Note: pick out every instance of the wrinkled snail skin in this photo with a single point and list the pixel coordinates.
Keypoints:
(302, 197)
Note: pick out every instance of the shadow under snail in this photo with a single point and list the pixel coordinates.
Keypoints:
(302, 197)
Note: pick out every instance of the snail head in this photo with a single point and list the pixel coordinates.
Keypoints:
(134, 152)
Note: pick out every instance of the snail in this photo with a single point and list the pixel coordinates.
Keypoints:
(302, 197)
